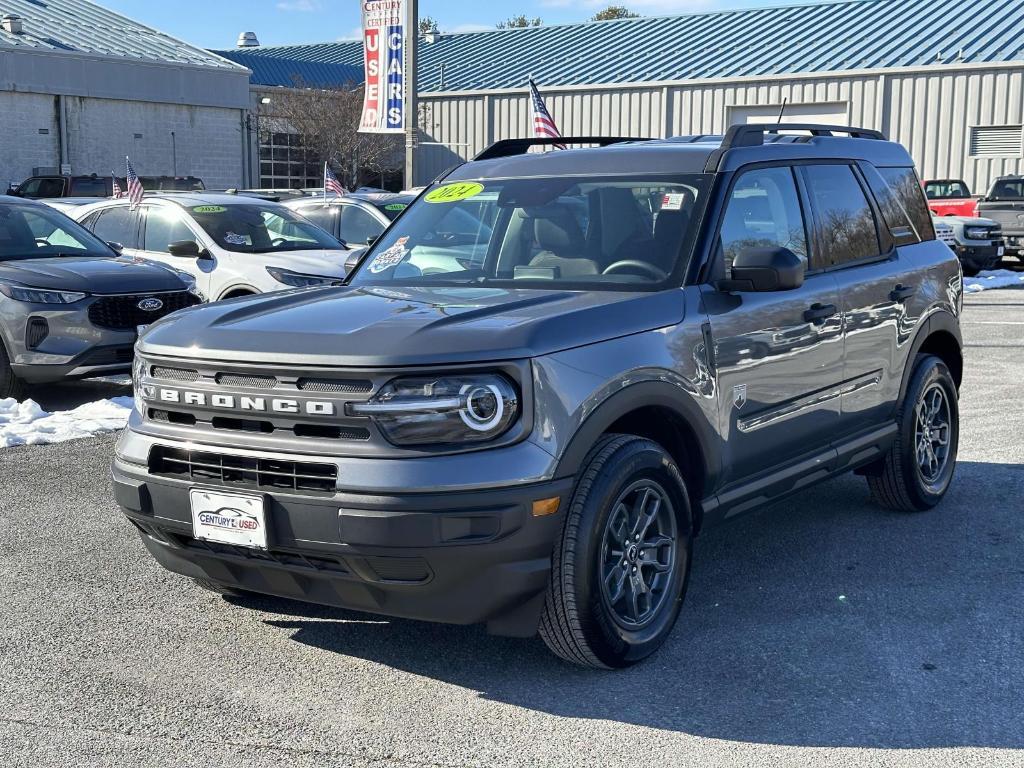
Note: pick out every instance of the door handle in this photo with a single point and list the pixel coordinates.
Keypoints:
(818, 313)
(901, 293)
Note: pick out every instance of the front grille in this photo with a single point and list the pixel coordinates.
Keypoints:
(273, 556)
(243, 471)
(348, 386)
(175, 374)
(246, 380)
(123, 313)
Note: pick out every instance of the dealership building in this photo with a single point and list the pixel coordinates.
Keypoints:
(81, 87)
(944, 77)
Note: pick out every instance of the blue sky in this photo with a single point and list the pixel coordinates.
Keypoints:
(216, 23)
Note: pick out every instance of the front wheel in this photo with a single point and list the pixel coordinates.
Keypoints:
(918, 469)
(10, 385)
(621, 566)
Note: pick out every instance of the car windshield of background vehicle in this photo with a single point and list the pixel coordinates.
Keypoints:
(36, 231)
(260, 229)
(1008, 189)
(615, 233)
(946, 190)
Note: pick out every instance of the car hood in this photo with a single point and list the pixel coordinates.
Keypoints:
(92, 274)
(373, 326)
(319, 262)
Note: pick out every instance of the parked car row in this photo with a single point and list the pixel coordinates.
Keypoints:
(79, 278)
(94, 185)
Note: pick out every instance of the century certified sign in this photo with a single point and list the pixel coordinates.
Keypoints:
(384, 41)
(245, 403)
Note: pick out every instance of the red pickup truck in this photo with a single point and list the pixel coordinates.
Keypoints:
(950, 197)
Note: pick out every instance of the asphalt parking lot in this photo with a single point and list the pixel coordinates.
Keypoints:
(823, 631)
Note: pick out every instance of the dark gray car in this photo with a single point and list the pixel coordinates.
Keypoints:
(70, 305)
(549, 375)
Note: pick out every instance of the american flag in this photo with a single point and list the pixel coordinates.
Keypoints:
(331, 183)
(543, 124)
(135, 190)
(117, 193)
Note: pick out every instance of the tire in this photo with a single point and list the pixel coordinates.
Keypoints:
(10, 385)
(582, 622)
(907, 479)
(969, 271)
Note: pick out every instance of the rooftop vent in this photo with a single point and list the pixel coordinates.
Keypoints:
(11, 22)
(248, 40)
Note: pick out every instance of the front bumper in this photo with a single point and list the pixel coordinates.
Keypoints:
(463, 558)
(980, 256)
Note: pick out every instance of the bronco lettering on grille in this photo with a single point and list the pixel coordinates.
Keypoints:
(247, 403)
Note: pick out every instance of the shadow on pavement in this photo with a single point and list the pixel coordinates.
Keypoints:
(71, 394)
(823, 621)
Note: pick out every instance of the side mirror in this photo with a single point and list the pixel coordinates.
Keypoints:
(186, 249)
(116, 248)
(353, 259)
(765, 269)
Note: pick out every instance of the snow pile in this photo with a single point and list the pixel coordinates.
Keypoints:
(28, 424)
(997, 278)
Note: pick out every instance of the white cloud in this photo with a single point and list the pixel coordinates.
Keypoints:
(301, 6)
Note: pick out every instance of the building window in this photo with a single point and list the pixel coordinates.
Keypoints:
(996, 141)
(286, 164)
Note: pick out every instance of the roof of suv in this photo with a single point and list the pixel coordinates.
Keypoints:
(684, 154)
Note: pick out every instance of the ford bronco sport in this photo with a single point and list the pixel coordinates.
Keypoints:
(548, 375)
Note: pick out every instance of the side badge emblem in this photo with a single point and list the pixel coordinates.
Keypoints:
(739, 396)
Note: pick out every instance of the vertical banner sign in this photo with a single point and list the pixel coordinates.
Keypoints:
(384, 41)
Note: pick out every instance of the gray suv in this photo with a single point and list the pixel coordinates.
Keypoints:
(548, 375)
(70, 304)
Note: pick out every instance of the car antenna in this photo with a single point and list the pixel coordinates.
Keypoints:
(782, 111)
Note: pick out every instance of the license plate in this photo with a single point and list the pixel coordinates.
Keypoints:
(1000, 251)
(229, 518)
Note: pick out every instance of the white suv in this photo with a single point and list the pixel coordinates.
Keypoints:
(232, 245)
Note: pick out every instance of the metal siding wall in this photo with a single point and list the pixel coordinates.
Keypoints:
(930, 113)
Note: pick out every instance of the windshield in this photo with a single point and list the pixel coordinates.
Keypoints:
(259, 228)
(36, 231)
(610, 233)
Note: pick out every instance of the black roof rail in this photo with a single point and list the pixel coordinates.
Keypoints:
(753, 136)
(513, 147)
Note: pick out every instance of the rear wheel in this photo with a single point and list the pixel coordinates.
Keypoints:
(621, 566)
(918, 469)
(969, 271)
(10, 385)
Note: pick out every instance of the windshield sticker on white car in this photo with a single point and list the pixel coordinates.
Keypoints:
(209, 209)
(453, 193)
(389, 258)
(233, 239)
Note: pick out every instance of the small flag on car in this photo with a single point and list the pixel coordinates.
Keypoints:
(543, 124)
(135, 190)
(331, 184)
(117, 193)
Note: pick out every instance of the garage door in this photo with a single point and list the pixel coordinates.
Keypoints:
(830, 113)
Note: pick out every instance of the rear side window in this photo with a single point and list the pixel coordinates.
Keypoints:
(358, 226)
(763, 211)
(163, 227)
(1008, 189)
(899, 197)
(88, 188)
(323, 216)
(115, 225)
(844, 222)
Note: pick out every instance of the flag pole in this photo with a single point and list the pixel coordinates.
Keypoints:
(412, 33)
(325, 183)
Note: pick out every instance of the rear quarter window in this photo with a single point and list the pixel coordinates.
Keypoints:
(902, 200)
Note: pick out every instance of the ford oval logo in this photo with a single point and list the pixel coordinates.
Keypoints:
(151, 304)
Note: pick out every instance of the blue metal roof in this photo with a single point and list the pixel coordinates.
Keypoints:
(820, 37)
(79, 26)
(289, 72)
